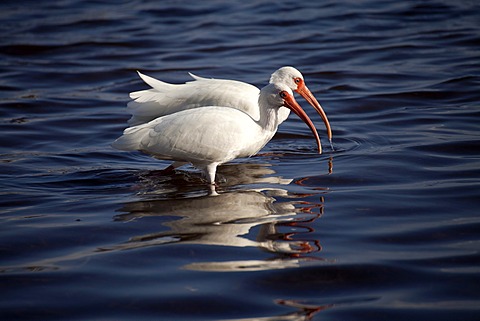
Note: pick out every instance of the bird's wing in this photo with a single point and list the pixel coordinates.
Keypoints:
(164, 98)
(209, 134)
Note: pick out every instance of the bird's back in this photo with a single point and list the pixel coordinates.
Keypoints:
(164, 98)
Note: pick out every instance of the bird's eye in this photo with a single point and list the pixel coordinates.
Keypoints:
(297, 80)
(283, 94)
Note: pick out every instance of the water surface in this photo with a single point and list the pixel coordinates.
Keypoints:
(383, 227)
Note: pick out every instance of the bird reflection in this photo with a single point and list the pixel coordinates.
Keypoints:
(279, 221)
(224, 220)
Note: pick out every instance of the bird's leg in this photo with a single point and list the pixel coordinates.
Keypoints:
(213, 190)
(210, 171)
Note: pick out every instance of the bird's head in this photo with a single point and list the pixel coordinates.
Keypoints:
(277, 95)
(293, 78)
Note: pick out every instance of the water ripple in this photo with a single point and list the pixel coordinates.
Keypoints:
(384, 224)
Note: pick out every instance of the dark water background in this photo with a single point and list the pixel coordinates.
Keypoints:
(386, 227)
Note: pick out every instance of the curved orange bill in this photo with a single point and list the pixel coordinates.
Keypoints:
(292, 104)
(307, 94)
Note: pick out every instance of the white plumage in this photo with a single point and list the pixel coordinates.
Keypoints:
(212, 135)
(164, 98)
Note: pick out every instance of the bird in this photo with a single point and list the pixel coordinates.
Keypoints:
(164, 98)
(212, 135)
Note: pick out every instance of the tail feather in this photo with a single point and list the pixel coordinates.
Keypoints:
(146, 95)
(131, 139)
(195, 77)
(155, 83)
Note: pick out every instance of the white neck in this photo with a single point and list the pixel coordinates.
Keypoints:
(269, 118)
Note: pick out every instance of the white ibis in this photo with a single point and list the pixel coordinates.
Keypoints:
(164, 98)
(213, 135)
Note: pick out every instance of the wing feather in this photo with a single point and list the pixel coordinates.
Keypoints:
(164, 98)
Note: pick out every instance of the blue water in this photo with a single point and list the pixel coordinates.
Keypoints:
(383, 227)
